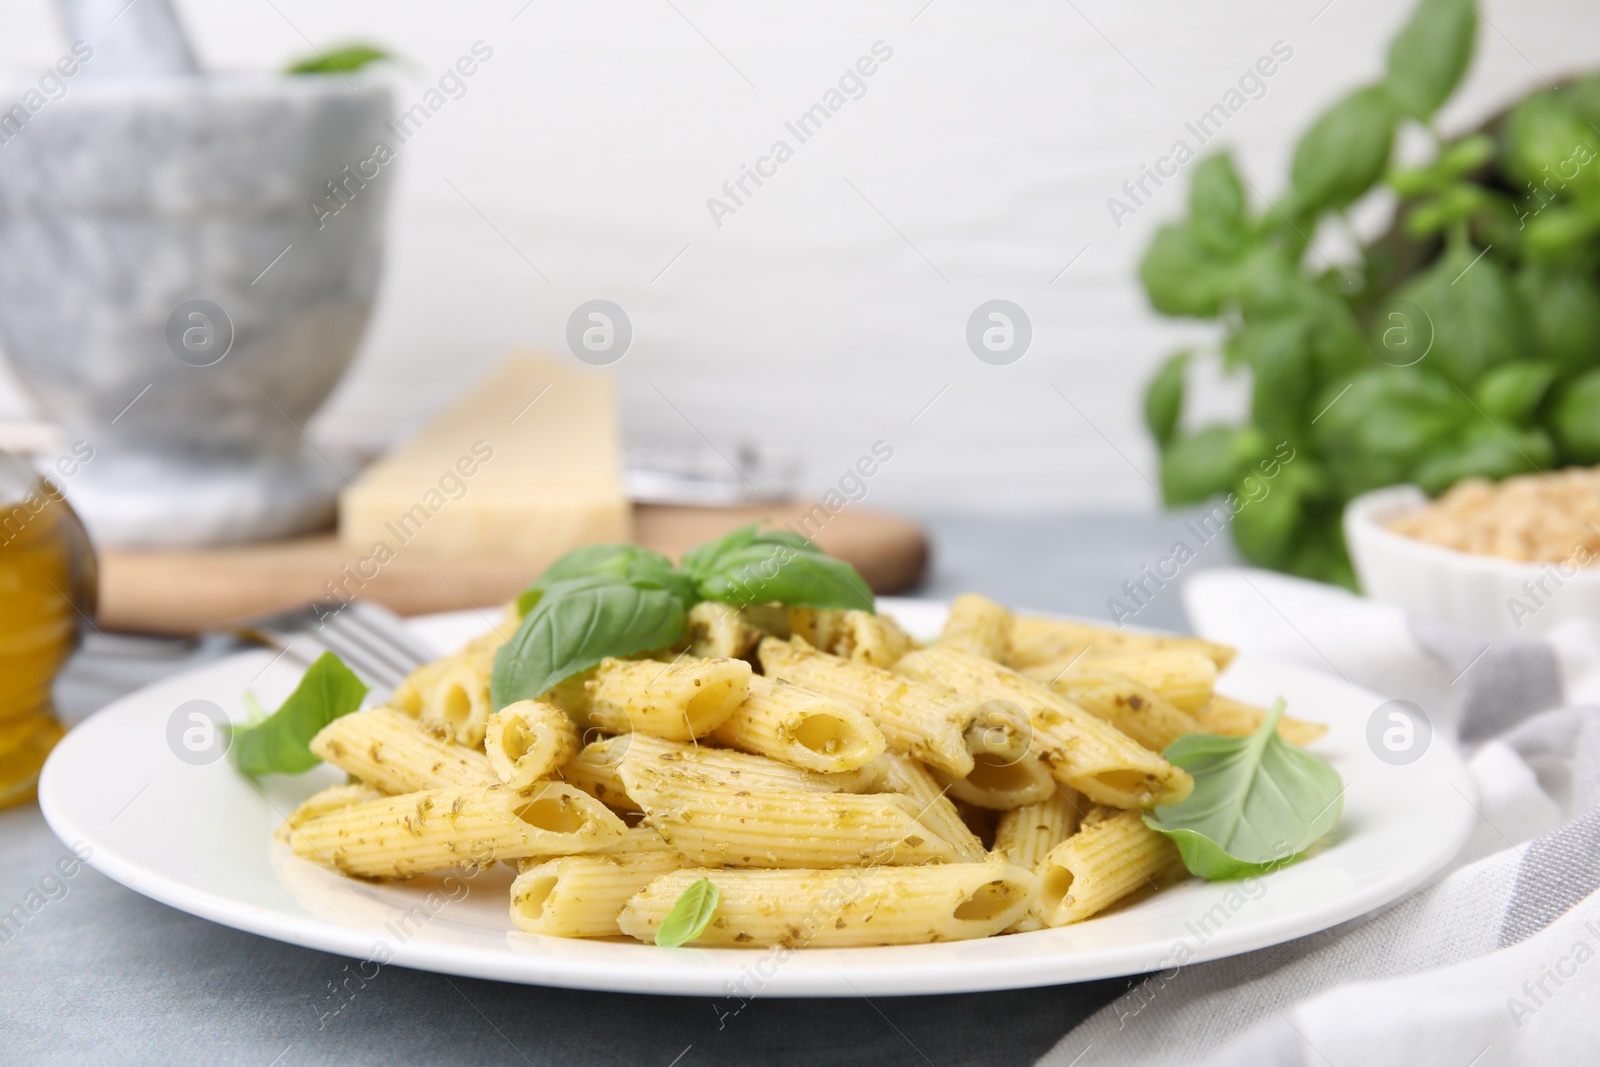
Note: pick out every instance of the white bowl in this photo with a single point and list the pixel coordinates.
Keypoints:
(1484, 593)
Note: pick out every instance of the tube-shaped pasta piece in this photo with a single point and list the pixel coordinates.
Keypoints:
(395, 753)
(1101, 864)
(873, 640)
(596, 769)
(1135, 709)
(457, 704)
(925, 721)
(825, 909)
(1036, 641)
(1183, 676)
(904, 775)
(802, 727)
(1002, 784)
(581, 896)
(978, 625)
(677, 701)
(1235, 718)
(325, 801)
(718, 631)
(409, 695)
(780, 828)
(857, 636)
(471, 825)
(1026, 835)
(527, 741)
(1083, 752)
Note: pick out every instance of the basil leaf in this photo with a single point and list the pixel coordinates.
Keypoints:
(1576, 419)
(281, 743)
(1343, 153)
(1184, 277)
(1198, 466)
(761, 572)
(1258, 801)
(1217, 204)
(708, 558)
(1163, 400)
(576, 624)
(690, 915)
(1512, 391)
(622, 561)
(1547, 135)
(1473, 312)
(346, 60)
(1484, 449)
(1371, 435)
(1430, 54)
(1279, 355)
(1564, 310)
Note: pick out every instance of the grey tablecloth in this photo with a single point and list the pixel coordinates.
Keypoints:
(103, 975)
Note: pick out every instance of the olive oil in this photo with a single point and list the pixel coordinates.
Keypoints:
(47, 587)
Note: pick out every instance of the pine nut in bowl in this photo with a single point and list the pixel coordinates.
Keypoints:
(1519, 558)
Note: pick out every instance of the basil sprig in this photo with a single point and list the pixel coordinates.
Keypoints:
(1258, 801)
(280, 744)
(752, 566)
(690, 915)
(578, 622)
(625, 562)
(618, 600)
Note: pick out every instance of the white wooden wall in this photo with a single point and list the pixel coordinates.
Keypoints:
(831, 307)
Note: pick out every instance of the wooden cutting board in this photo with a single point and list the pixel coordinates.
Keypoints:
(184, 591)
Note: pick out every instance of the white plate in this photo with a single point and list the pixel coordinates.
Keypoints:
(200, 839)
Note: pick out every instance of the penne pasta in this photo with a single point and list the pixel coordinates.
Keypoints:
(780, 828)
(527, 741)
(1100, 864)
(581, 896)
(1026, 835)
(395, 753)
(1036, 641)
(324, 802)
(822, 909)
(900, 774)
(1182, 676)
(1082, 751)
(596, 769)
(1135, 709)
(677, 701)
(456, 705)
(872, 640)
(838, 783)
(801, 727)
(980, 626)
(408, 695)
(397, 837)
(1235, 718)
(925, 721)
(719, 631)
(1001, 784)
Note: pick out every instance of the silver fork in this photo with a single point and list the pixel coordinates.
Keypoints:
(372, 641)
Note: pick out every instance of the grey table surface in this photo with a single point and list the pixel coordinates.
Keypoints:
(101, 974)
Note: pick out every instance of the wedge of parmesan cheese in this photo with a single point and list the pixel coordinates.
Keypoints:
(528, 465)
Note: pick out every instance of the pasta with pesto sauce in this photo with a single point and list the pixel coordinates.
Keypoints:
(837, 781)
